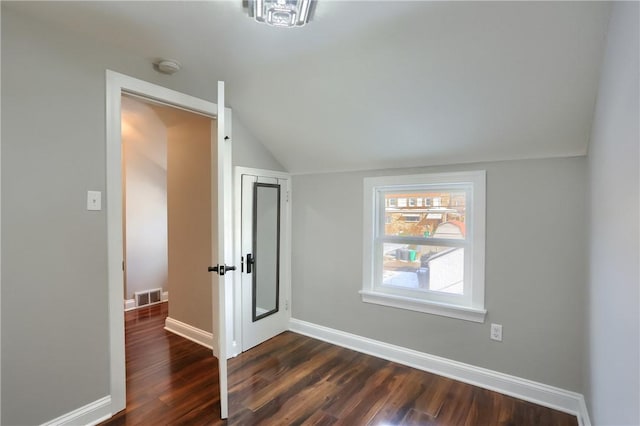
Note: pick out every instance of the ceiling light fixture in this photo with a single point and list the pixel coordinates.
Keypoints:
(281, 13)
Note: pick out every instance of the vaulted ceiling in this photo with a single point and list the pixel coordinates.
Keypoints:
(379, 84)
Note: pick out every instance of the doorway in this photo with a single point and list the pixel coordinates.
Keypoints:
(167, 214)
(116, 85)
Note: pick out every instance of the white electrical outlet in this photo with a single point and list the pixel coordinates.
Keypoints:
(496, 332)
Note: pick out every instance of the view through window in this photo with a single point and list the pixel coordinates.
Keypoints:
(428, 215)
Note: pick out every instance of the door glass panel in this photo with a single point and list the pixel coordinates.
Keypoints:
(266, 249)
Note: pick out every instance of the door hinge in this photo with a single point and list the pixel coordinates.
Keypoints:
(286, 305)
(287, 196)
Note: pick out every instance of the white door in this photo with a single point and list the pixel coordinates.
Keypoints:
(222, 265)
(264, 254)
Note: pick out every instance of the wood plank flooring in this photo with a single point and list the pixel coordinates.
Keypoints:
(294, 380)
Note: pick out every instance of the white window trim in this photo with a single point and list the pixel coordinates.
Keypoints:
(473, 309)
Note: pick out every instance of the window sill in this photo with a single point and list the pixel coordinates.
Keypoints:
(429, 307)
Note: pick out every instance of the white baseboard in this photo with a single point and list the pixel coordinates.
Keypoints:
(129, 305)
(89, 415)
(538, 393)
(583, 413)
(190, 332)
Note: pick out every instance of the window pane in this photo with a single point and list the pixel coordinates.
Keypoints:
(423, 267)
(439, 214)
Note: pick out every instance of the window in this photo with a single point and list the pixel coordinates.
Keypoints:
(412, 202)
(433, 259)
(411, 217)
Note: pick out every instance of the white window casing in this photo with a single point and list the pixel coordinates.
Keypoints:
(469, 305)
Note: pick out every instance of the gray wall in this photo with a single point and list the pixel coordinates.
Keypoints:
(247, 151)
(535, 270)
(54, 252)
(612, 371)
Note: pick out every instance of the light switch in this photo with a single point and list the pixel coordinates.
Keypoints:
(94, 200)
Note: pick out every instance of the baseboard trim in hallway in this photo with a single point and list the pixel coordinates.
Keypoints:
(190, 332)
(528, 390)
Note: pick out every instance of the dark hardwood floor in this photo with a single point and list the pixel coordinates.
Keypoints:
(293, 379)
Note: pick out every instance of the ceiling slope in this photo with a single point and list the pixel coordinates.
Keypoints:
(379, 84)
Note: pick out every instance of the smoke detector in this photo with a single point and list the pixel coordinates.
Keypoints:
(168, 66)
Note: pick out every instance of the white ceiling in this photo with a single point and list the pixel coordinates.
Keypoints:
(379, 84)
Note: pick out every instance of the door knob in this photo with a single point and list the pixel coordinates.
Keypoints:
(221, 269)
(227, 268)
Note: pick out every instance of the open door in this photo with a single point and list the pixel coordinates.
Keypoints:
(221, 278)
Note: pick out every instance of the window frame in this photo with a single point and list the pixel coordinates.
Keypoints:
(470, 305)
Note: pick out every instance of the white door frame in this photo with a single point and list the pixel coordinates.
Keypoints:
(285, 261)
(116, 85)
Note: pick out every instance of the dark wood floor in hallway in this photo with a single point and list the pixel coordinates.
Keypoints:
(293, 379)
